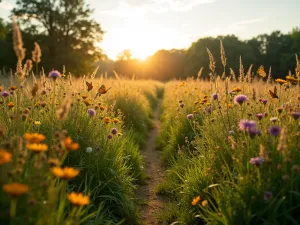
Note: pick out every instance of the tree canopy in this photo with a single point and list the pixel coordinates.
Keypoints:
(65, 30)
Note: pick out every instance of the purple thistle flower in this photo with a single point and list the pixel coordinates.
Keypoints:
(215, 96)
(92, 112)
(295, 115)
(257, 161)
(274, 130)
(264, 101)
(5, 94)
(247, 124)
(54, 74)
(260, 116)
(109, 136)
(253, 131)
(240, 99)
(190, 116)
(114, 131)
(208, 110)
(268, 196)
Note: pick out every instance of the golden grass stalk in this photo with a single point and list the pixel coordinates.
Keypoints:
(36, 53)
(242, 72)
(232, 73)
(17, 41)
(212, 63)
(223, 56)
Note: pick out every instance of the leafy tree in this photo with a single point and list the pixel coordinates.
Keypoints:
(65, 27)
(197, 57)
(7, 56)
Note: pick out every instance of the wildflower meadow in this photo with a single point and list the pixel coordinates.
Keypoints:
(104, 150)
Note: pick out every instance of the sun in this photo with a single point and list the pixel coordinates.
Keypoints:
(138, 36)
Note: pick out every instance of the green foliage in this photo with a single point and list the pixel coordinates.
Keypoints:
(215, 163)
(64, 30)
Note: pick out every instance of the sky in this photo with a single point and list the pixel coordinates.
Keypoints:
(145, 26)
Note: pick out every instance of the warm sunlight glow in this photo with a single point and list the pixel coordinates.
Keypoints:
(141, 38)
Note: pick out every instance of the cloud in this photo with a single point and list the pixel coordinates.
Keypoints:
(233, 28)
(6, 5)
(131, 8)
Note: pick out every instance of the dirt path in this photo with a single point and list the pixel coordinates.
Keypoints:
(154, 169)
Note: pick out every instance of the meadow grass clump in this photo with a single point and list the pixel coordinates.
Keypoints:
(61, 138)
(240, 165)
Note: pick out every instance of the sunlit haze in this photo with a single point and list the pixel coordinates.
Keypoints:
(145, 26)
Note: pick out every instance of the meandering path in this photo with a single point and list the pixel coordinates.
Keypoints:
(154, 169)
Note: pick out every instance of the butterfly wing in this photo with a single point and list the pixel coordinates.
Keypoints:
(89, 85)
(274, 94)
(102, 89)
(261, 72)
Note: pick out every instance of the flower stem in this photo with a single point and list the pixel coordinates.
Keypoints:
(13, 209)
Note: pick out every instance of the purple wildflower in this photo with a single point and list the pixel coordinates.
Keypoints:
(260, 116)
(268, 196)
(264, 101)
(240, 99)
(114, 131)
(109, 136)
(257, 161)
(253, 131)
(92, 112)
(54, 74)
(5, 94)
(181, 105)
(247, 124)
(215, 96)
(274, 130)
(295, 115)
(208, 110)
(190, 116)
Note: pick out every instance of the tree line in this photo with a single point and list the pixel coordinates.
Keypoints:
(66, 34)
(276, 52)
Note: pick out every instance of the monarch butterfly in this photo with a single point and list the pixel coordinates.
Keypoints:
(261, 72)
(273, 93)
(89, 85)
(102, 90)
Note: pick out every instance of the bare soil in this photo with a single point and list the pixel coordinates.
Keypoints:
(153, 203)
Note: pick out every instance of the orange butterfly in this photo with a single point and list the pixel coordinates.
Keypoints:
(261, 72)
(89, 85)
(102, 90)
(273, 93)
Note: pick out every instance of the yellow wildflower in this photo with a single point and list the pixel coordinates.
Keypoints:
(15, 189)
(78, 199)
(204, 203)
(5, 157)
(293, 80)
(34, 137)
(116, 120)
(107, 120)
(13, 88)
(37, 147)
(11, 105)
(280, 81)
(66, 173)
(237, 89)
(70, 145)
(87, 102)
(196, 200)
